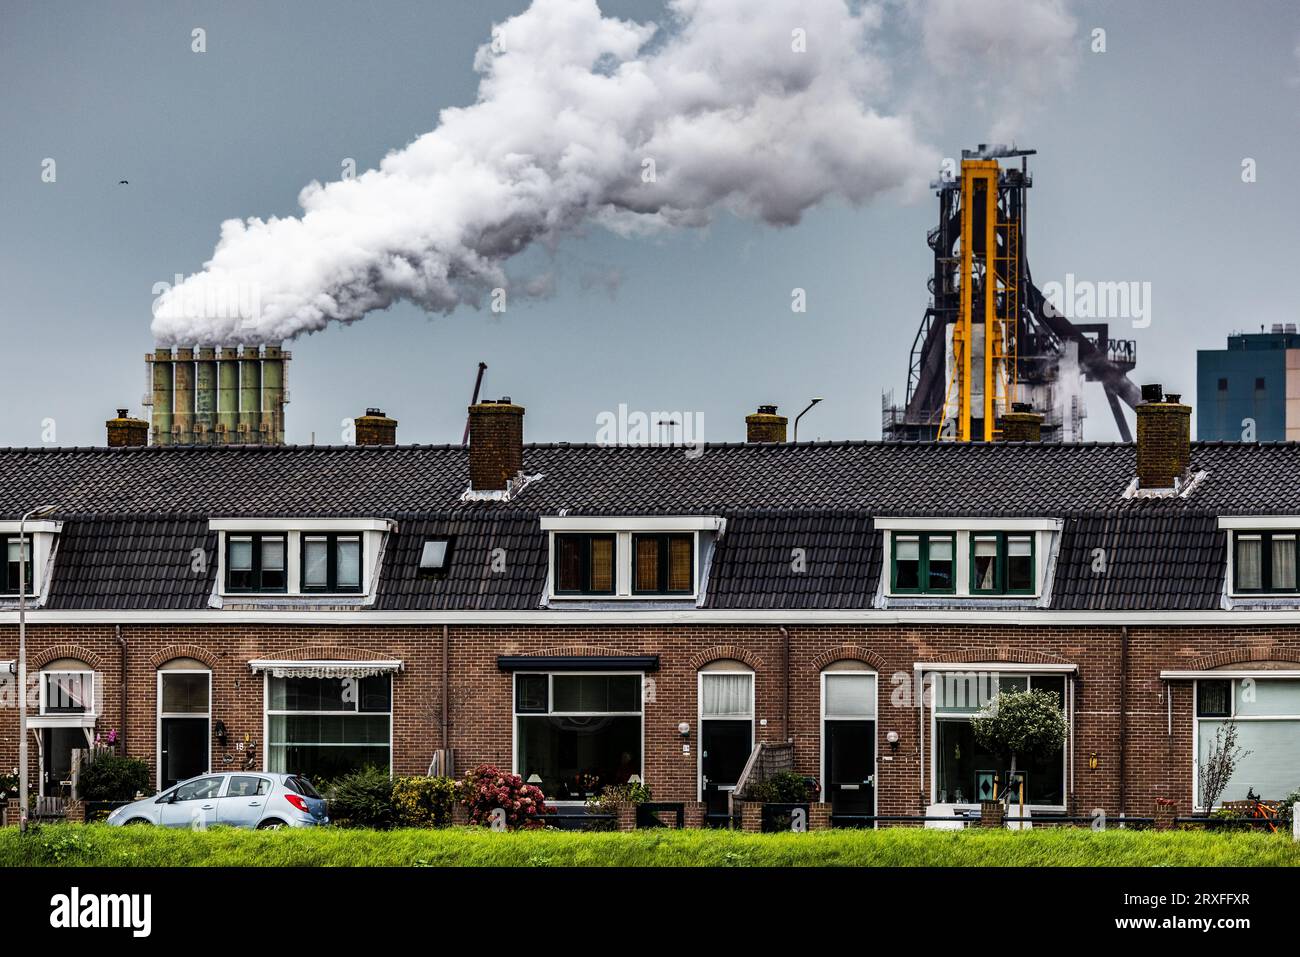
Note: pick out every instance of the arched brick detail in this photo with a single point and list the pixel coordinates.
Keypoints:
(721, 652)
(322, 652)
(68, 651)
(847, 653)
(1002, 653)
(1240, 655)
(197, 652)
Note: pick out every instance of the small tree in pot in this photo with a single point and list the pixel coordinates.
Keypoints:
(1021, 725)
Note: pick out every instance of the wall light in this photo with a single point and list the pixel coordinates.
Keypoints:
(684, 729)
(1093, 761)
(892, 738)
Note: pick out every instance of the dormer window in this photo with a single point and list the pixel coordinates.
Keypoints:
(629, 557)
(256, 563)
(33, 549)
(1265, 562)
(923, 563)
(966, 558)
(1002, 563)
(584, 564)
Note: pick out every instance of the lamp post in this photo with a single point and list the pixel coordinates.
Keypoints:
(802, 414)
(23, 803)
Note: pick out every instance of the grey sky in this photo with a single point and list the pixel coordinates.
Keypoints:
(1138, 177)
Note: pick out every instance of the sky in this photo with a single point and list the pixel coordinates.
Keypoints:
(1138, 178)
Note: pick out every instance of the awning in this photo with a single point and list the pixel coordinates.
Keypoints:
(73, 720)
(325, 669)
(578, 662)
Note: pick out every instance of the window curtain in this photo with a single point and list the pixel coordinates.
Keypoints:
(850, 696)
(602, 564)
(1248, 562)
(986, 561)
(728, 696)
(679, 563)
(647, 564)
(1283, 562)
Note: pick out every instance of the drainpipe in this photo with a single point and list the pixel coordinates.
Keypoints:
(446, 693)
(785, 685)
(121, 729)
(1123, 718)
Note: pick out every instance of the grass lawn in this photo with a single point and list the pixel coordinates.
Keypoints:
(100, 845)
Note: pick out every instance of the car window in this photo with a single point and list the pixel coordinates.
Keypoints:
(247, 786)
(199, 790)
(301, 786)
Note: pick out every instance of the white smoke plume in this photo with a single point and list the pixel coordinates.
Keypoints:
(728, 108)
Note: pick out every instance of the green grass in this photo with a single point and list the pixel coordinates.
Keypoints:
(100, 845)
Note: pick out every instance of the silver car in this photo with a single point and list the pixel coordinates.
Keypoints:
(249, 799)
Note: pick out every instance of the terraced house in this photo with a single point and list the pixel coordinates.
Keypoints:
(584, 614)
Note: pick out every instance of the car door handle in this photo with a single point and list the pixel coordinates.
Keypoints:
(254, 803)
(206, 807)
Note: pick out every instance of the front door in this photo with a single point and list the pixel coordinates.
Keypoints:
(184, 749)
(724, 749)
(851, 766)
(57, 745)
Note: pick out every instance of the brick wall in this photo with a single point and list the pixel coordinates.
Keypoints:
(1158, 763)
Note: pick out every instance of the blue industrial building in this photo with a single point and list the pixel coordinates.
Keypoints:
(1255, 380)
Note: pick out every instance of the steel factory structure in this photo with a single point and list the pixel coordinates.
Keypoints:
(217, 396)
(990, 343)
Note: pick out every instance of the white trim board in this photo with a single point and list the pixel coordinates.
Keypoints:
(957, 524)
(301, 524)
(632, 523)
(1259, 522)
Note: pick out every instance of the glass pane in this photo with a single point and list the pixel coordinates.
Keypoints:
(1283, 563)
(647, 563)
(727, 696)
(1212, 699)
(325, 763)
(530, 694)
(596, 693)
(940, 552)
(376, 693)
(272, 554)
(239, 556)
(1020, 563)
(907, 562)
(315, 562)
(964, 692)
(986, 562)
(15, 554)
(1248, 564)
(184, 693)
(680, 559)
(313, 694)
(69, 693)
(964, 773)
(1269, 763)
(568, 561)
(602, 564)
(349, 563)
(1052, 684)
(850, 696)
(433, 555)
(1268, 696)
(572, 758)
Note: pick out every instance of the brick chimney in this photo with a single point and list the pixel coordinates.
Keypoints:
(765, 425)
(1163, 438)
(1022, 424)
(375, 428)
(124, 431)
(496, 444)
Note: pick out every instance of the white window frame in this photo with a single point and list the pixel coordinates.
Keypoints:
(372, 533)
(43, 699)
(40, 535)
(515, 715)
(189, 715)
(623, 528)
(700, 718)
(1232, 677)
(267, 713)
(1028, 672)
(874, 719)
(1046, 532)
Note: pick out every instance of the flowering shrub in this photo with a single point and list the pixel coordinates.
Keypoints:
(488, 787)
(424, 801)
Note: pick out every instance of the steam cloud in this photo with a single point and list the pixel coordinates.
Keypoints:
(572, 109)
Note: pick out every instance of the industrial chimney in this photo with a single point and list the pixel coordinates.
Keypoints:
(1163, 438)
(125, 431)
(496, 444)
(217, 395)
(375, 428)
(765, 426)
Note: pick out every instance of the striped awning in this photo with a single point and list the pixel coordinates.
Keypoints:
(324, 669)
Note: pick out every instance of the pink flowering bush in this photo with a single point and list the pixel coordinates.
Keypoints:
(488, 787)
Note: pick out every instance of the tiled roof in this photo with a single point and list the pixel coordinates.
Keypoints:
(134, 516)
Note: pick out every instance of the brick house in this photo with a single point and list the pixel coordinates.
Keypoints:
(583, 614)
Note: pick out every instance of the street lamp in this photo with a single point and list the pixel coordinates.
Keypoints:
(802, 414)
(39, 512)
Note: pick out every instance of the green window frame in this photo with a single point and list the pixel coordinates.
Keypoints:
(1277, 560)
(925, 576)
(1001, 561)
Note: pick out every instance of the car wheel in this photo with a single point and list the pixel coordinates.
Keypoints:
(270, 825)
(137, 821)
